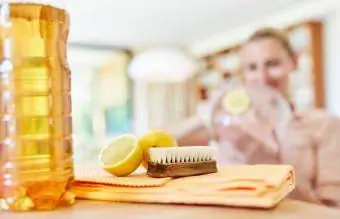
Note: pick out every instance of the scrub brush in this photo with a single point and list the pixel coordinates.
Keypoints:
(181, 161)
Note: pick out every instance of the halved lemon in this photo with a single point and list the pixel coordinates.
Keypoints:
(122, 156)
(236, 102)
(155, 138)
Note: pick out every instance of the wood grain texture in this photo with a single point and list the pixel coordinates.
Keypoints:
(181, 169)
(105, 210)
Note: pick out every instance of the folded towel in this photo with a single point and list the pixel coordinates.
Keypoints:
(258, 186)
(92, 175)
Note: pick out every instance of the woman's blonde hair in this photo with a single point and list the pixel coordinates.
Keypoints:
(276, 34)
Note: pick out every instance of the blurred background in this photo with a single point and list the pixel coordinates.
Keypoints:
(138, 65)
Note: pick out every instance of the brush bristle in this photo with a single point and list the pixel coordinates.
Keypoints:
(168, 155)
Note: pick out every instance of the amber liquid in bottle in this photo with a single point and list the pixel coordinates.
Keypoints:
(36, 157)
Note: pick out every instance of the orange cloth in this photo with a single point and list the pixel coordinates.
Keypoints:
(261, 186)
(94, 175)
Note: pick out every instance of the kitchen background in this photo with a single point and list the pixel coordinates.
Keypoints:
(147, 64)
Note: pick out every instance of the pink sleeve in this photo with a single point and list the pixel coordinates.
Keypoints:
(328, 163)
(312, 146)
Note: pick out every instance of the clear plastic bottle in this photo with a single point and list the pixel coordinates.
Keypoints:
(36, 156)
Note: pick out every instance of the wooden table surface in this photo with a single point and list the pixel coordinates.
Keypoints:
(106, 210)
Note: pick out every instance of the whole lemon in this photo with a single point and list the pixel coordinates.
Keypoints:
(155, 138)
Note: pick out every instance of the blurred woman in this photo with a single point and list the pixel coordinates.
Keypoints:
(311, 140)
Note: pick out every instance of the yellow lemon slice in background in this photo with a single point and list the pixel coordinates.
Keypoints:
(155, 138)
(122, 156)
(236, 102)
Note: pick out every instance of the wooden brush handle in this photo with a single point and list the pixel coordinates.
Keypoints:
(181, 169)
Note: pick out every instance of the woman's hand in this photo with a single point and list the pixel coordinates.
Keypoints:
(249, 140)
(260, 129)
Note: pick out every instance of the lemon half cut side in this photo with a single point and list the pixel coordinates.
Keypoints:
(236, 102)
(122, 156)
